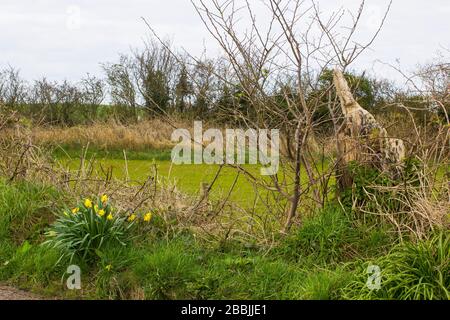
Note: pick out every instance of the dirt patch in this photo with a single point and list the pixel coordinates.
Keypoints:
(10, 293)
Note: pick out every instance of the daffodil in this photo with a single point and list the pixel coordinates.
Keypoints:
(101, 212)
(88, 203)
(131, 218)
(75, 210)
(108, 267)
(109, 217)
(148, 217)
(104, 198)
(96, 208)
(52, 233)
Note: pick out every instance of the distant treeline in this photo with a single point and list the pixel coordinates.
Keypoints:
(154, 81)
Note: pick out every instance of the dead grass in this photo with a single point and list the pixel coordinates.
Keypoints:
(150, 134)
(424, 209)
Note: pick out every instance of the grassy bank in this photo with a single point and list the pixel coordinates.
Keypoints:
(325, 259)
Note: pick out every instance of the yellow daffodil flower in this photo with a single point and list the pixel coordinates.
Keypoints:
(88, 203)
(104, 198)
(131, 218)
(96, 208)
(52, 233)
(75, 210)
(148, 217)
(101, 212)
(109, 217)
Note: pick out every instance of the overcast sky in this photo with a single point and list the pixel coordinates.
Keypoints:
(64, 39)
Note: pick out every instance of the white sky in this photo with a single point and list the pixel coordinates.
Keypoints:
(66, 39)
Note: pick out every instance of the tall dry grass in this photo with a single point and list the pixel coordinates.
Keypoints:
(149, 134)
(424, 201)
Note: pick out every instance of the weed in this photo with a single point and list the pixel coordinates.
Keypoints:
(410, 271)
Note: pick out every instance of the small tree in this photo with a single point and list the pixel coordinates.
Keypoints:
(44, 101)
(93, 94)
(154, 73)
(12, 88)
(123, 90)
(284, 55)
(183, 91)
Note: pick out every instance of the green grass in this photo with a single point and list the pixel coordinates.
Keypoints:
(333, 236)
(188, 178)
(181, 268)
(25, 209)
(410, 271)
(25, 212)
(74, 152)
(31, 266)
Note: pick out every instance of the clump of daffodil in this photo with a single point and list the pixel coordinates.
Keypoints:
(148, 217)
(89, 227)
(88, 203)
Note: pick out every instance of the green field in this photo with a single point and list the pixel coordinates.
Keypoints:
(188, 178)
